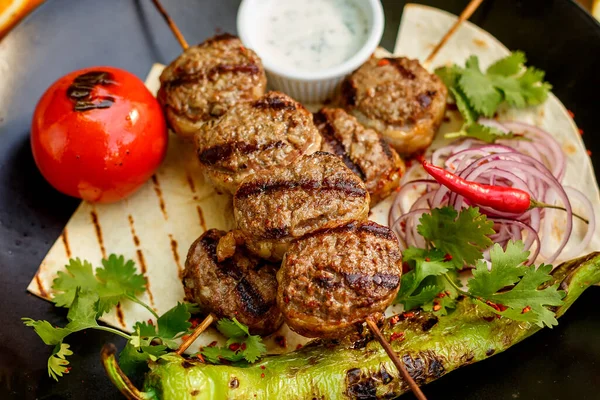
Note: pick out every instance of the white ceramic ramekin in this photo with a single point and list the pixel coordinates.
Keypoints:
(315, 86)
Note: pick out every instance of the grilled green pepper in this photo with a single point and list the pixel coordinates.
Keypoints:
(429, 347)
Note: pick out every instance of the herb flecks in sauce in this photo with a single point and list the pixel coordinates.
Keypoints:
(311, 35)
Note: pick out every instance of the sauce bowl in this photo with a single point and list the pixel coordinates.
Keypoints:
(308, 86)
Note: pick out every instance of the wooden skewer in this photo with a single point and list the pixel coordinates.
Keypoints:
(465, 15)
(210, 318)
(171, 24)
(399, 364)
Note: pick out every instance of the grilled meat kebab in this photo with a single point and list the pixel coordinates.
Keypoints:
(363, 150)
(208, 79)
(273, 207)
(236, 284)
(333, 279)
(274, 130)
(398, 98)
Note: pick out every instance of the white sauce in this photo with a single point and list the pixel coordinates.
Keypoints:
(311, 35)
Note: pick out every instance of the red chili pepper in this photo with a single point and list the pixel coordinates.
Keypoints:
(501, 198)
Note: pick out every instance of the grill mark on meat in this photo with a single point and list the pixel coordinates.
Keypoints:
(328, 133)
(274, 103)
(158, 191)
(251, 299)
(214, 72)
(222, 152)
(40, 285)
(176, 255)
(368, 227)
(387, 281)
(201, 216)
(349, 92)
(396, 62)
(385, 146)
(276, 233)
(98, 230)
(348, 187)
(65, 240)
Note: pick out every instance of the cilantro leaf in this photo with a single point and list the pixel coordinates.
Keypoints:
(462, 235)
(420, 297)
(118, 279)
(524, 301)
(174, 322)
(232, 328)
(484, 133)
(449, 75)
(49, 334)
(134, 360)
(240, 345)
(57, 362)
(144, 329)
(445, 300)
(535, 90)
(463, 105)
(113, 283)
(483, 95)
(508, 66)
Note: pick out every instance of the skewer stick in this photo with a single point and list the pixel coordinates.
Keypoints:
(399, 364)
(465, 15)
(210, 318)
(171, 24)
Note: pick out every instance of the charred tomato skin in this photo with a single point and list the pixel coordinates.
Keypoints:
(98, 134)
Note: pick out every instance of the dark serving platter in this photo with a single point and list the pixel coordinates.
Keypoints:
(557, 36)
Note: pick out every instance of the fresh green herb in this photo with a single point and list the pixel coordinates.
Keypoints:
(116, 281)
(508, 288)
(240, 345)
(462, 235)
(478, 93)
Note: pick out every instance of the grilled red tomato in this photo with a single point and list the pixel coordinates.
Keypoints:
(98, 134)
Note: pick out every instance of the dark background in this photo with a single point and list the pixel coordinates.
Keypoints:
(63, 35)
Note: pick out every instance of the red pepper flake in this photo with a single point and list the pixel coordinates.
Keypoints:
(526, 310)
(243, 346)
(571, 114)
(441, 295)
(242, 49)
(589, 152)
(212, 344)
(185, 337)
(262, 367)
(298, 347)
(382, 62)
(427, 259)
(580, 132)
(286, 299)
(68, 370)
(150, 322)
(397, 336)
(262, 375)
(448, 293)
(437, 307)
(195, 322)
(281, 342)
(394, 320)
(409, 314)
(448, 257)
(234, 346)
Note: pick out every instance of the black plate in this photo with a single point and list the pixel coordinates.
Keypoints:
(558, 37)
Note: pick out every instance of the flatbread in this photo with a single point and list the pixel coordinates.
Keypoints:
(156, 225)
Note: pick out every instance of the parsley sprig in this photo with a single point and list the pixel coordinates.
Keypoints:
(505, 286)
(477, 93)
(88, 295)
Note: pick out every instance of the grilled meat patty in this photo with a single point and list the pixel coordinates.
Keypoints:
(331, 280)
(398, 98)
(276, 206)
(272, 131)
(241, 286)
(208, 79)
(364, 151)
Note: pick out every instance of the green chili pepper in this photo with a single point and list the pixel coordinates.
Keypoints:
(429, 346)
